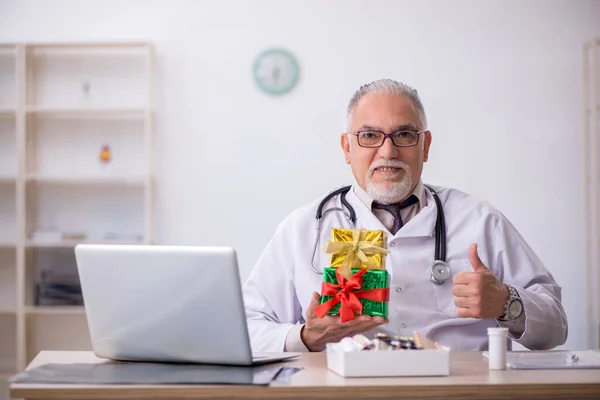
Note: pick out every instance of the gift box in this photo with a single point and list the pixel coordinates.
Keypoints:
(356, 248)
(371, 279)
(356, 281)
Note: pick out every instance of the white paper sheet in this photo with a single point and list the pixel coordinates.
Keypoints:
(585, 359)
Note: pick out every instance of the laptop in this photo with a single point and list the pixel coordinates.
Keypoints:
(180, 304)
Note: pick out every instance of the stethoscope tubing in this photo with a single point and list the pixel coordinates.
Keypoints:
(439, 271)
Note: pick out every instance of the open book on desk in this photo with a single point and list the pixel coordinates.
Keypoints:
(584, 359)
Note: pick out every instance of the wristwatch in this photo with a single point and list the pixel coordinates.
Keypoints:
(514, 305)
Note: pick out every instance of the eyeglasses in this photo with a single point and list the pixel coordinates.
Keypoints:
(374, 139)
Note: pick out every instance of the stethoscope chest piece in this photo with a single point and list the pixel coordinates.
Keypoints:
(440, 272)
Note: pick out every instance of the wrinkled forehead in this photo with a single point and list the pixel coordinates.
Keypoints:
(384, 112)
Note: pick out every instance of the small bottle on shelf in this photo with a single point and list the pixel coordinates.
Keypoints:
(105, 157)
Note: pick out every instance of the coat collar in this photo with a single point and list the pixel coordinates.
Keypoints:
(419, 191)
(421, 225)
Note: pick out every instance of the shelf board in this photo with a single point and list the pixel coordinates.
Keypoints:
(7, 179)
(8, 49)
(73, 243)
(7, 310)
(7, 112)
(87, 45)
(7, 244)
(4, 376)
(55, 310)
(589, 110)
(87, 180)
(88, 112)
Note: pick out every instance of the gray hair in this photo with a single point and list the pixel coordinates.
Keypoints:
(387, 86)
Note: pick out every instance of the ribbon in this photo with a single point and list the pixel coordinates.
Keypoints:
(355, 252)
(347, 291)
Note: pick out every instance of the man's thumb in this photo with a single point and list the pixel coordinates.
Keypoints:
(314, 301)
(474, 259)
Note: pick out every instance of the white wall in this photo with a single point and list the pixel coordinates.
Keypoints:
(501, 82)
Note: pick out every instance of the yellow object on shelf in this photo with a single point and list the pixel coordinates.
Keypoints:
(105, 154)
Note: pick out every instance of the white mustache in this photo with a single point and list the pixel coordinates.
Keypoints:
(387, 163)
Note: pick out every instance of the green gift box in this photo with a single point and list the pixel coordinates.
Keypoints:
(371, 279)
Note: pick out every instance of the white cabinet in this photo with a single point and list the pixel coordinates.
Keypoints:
(76, 165)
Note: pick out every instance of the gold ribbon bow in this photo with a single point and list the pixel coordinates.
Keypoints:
(355, 252)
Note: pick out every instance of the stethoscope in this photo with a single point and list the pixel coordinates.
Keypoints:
(440, 271)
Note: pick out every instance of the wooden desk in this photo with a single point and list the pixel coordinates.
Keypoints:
(469, 379)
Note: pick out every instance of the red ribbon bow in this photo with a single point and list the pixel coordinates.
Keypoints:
(347, 291)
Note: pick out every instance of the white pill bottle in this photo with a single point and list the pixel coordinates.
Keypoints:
(497, 348)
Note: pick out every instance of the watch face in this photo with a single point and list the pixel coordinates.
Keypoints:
(515, 308)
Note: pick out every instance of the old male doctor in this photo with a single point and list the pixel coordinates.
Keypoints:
(496, 279)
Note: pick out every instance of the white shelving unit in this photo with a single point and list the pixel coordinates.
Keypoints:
(62, 105)
(591, 116)
(8, 214)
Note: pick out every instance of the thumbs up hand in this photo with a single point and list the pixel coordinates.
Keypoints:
(479, 294)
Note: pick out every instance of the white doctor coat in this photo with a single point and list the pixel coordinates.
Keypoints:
(280, 286)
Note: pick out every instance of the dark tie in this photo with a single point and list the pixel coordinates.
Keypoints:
(394, 209)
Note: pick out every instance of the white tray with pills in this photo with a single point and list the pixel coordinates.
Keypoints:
(384, 357)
